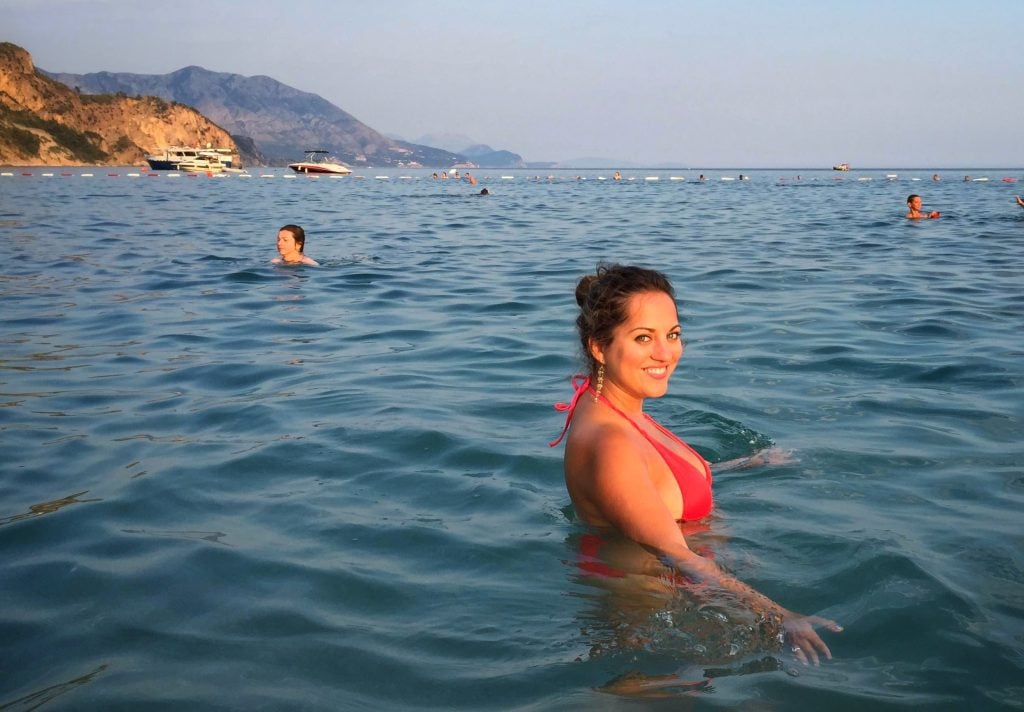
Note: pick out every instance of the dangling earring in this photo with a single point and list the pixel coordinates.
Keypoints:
(600, 382)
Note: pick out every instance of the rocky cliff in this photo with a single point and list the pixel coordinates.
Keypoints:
(44, 122)
(282, 121)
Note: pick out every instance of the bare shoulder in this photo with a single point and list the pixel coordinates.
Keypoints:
(603, 467)
(610, 482)
(604, 455)
(600, 438)
(617, 446)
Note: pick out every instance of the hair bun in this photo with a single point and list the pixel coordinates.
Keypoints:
(583, 288)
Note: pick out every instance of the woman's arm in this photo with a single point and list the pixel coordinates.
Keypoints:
(800, 633)
(622, 491)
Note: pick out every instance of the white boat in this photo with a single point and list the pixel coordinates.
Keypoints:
(202, 164)
(317, 162)
(173, 156)
(841, 167)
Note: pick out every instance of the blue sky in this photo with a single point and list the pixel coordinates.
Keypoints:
(733, 84)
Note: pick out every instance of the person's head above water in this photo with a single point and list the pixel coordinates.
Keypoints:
(604, 300)
(291, 243)
(298, 238)
(912, 197)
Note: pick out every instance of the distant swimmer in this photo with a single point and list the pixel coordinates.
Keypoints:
(935, 176)
(702, 178)
(617, 176)
(1019, 201)
(914, 205)
(484, 191)
(469, 176)
(291, 239)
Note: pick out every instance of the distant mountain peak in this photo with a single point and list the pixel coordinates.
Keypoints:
(450, 141)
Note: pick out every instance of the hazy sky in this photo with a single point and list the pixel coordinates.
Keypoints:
(785, 83)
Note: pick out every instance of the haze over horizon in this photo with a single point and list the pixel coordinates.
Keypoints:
(790, 84)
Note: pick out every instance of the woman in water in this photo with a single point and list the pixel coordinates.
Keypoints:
(291, 239)
(625, 472)
(914, 208)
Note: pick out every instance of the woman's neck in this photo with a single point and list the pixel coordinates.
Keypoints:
(621, 400)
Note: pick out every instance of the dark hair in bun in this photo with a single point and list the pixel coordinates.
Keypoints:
(602, 298)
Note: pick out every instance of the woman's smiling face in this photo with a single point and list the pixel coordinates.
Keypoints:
(644, 350)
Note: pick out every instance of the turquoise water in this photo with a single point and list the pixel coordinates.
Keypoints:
(232, 485)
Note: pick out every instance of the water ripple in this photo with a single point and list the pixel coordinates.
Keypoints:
(312, 488)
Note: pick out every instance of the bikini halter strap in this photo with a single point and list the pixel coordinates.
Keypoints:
(581, 384)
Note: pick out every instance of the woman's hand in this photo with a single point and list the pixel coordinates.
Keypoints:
(768, 456)
(774, 456)
(803, 641)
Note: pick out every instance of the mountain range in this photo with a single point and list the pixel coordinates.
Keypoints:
(274, 123)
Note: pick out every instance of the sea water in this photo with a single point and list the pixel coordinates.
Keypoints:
(228, 484)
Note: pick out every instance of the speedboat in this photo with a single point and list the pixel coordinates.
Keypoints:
(317, 162)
